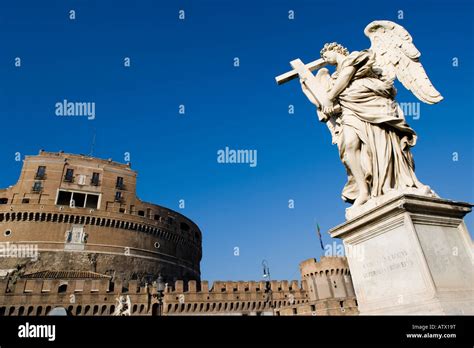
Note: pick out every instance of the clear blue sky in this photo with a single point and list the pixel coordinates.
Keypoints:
(191, 62)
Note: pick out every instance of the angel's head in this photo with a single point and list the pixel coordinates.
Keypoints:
(331, 51)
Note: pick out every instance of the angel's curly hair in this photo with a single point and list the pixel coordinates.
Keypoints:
(334, 46)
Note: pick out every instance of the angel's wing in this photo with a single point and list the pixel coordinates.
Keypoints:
(397, 56)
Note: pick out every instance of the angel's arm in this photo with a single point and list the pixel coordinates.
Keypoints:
(342, 82)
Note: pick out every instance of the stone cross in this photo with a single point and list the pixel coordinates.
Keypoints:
(304, 72)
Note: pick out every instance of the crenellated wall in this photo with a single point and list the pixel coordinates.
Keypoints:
(232, 297)
(99, 296)
(90, 293)
(78, 296)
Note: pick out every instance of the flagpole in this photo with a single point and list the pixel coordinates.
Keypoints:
(318, 230)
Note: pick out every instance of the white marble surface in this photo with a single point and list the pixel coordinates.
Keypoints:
(418, 257)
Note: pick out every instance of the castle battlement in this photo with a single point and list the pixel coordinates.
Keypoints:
(91, 293)
(220, 287)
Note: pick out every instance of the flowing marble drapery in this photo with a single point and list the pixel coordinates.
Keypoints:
(369, 108)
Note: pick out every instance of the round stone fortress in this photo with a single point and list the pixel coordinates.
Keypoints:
(74, 212)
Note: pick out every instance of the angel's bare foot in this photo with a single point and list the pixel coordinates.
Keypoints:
(362, 198)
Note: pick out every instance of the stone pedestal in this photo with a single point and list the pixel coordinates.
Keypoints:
(411, 255)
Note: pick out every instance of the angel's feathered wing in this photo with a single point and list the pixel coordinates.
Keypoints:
(397, 56)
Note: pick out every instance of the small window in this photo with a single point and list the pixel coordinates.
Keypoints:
(69, 176)
(25, 200)
(157, 217)
(62, 288)
(141, 213)
(118, 196)
(170, 220)
(3, 200)
(79, 199)
(41, 173)
(92, 201)
(119, 183)
(122, 210)
(184, 226)
(37, 186)
(95, 179)
(64, 198)
(7, 233)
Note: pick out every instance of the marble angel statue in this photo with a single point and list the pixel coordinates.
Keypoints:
(357, 102)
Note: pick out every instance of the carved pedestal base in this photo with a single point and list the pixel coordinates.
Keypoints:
(411, 255)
